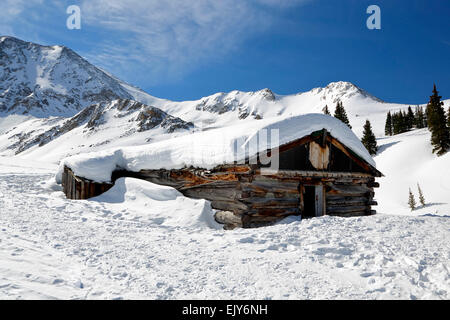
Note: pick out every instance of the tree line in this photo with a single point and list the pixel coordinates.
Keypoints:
(433, 118)
(403, 121)
(368, 139)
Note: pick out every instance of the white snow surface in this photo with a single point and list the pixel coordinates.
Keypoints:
(208, 149)
(117, 247)
(407, 160)
(161, 205)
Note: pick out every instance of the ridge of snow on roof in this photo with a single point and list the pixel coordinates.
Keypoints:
(208, 149)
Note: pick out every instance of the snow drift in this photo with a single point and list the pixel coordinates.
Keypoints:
(165, 206)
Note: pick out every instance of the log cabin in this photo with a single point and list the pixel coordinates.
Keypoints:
(320, 170)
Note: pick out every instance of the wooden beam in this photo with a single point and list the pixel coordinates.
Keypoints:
(277, 174)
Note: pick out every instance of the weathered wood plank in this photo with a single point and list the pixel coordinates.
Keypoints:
(235, 206)
(349, 209)
(271, 202)
(348, 190)
(208, 193)
(354, 202)
(349, 214)
(280, 174)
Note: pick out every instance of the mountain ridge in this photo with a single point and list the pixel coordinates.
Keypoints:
(101, 124)
(53, 84)
(41, 94)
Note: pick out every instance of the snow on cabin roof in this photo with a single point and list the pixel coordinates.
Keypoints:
(208, 149)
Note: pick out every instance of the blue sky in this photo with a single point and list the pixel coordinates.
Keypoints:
(182, 50)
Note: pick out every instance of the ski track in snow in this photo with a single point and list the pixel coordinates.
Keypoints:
(51, 247)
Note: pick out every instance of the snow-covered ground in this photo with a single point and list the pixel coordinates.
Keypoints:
(407, 160)
(141, 241)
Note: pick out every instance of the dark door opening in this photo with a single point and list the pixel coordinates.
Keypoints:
(309, 202)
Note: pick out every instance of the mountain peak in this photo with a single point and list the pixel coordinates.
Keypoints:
(341, 90)
(344, 85)
(10, 38)
(51, 80)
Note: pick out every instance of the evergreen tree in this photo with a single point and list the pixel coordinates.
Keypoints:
(425, 119)
(411, 201)
(410, 118)
(388, 125)
(369, 141)
(419, 118)
(437, 124)
(325, 110)
(403, 122)
(448, 117)
(421, 197)
(399, 122)
(395, 123)
(340, 114)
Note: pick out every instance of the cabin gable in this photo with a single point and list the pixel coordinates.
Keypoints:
(321, 152)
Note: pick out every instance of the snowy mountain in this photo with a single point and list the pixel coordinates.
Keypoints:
(105, 124)
(48, 81)
(39, 85)
(223, 109)
(45, 81)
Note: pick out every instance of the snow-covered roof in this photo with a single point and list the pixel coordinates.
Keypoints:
(207, 149)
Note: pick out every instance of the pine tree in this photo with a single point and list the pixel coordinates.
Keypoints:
(388, 125)
(325, 110)
(340, 114)
(395, 123)
(437, 124)
(410, 118)
(403, 121)
(421, 197)
(399, 122)
(425, 119)
(448, 117)
(411, 201)
(419, 118)
(369, 141)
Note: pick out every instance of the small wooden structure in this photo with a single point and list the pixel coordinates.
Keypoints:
(317, 175)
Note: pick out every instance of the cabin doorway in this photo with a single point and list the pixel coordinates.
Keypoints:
(311, 201)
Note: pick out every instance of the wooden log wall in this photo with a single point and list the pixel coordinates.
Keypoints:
(253, 199)
(272, 197)
(79, 189)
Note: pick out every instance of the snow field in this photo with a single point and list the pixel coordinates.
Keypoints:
(405, 160)
(113, 247)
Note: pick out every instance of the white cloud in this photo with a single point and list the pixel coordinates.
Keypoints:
(170, 37)
(151, 40)
(10, 10)
(281, 3)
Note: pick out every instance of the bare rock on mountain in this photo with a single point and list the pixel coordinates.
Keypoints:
(48, 81)
(123, 117)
